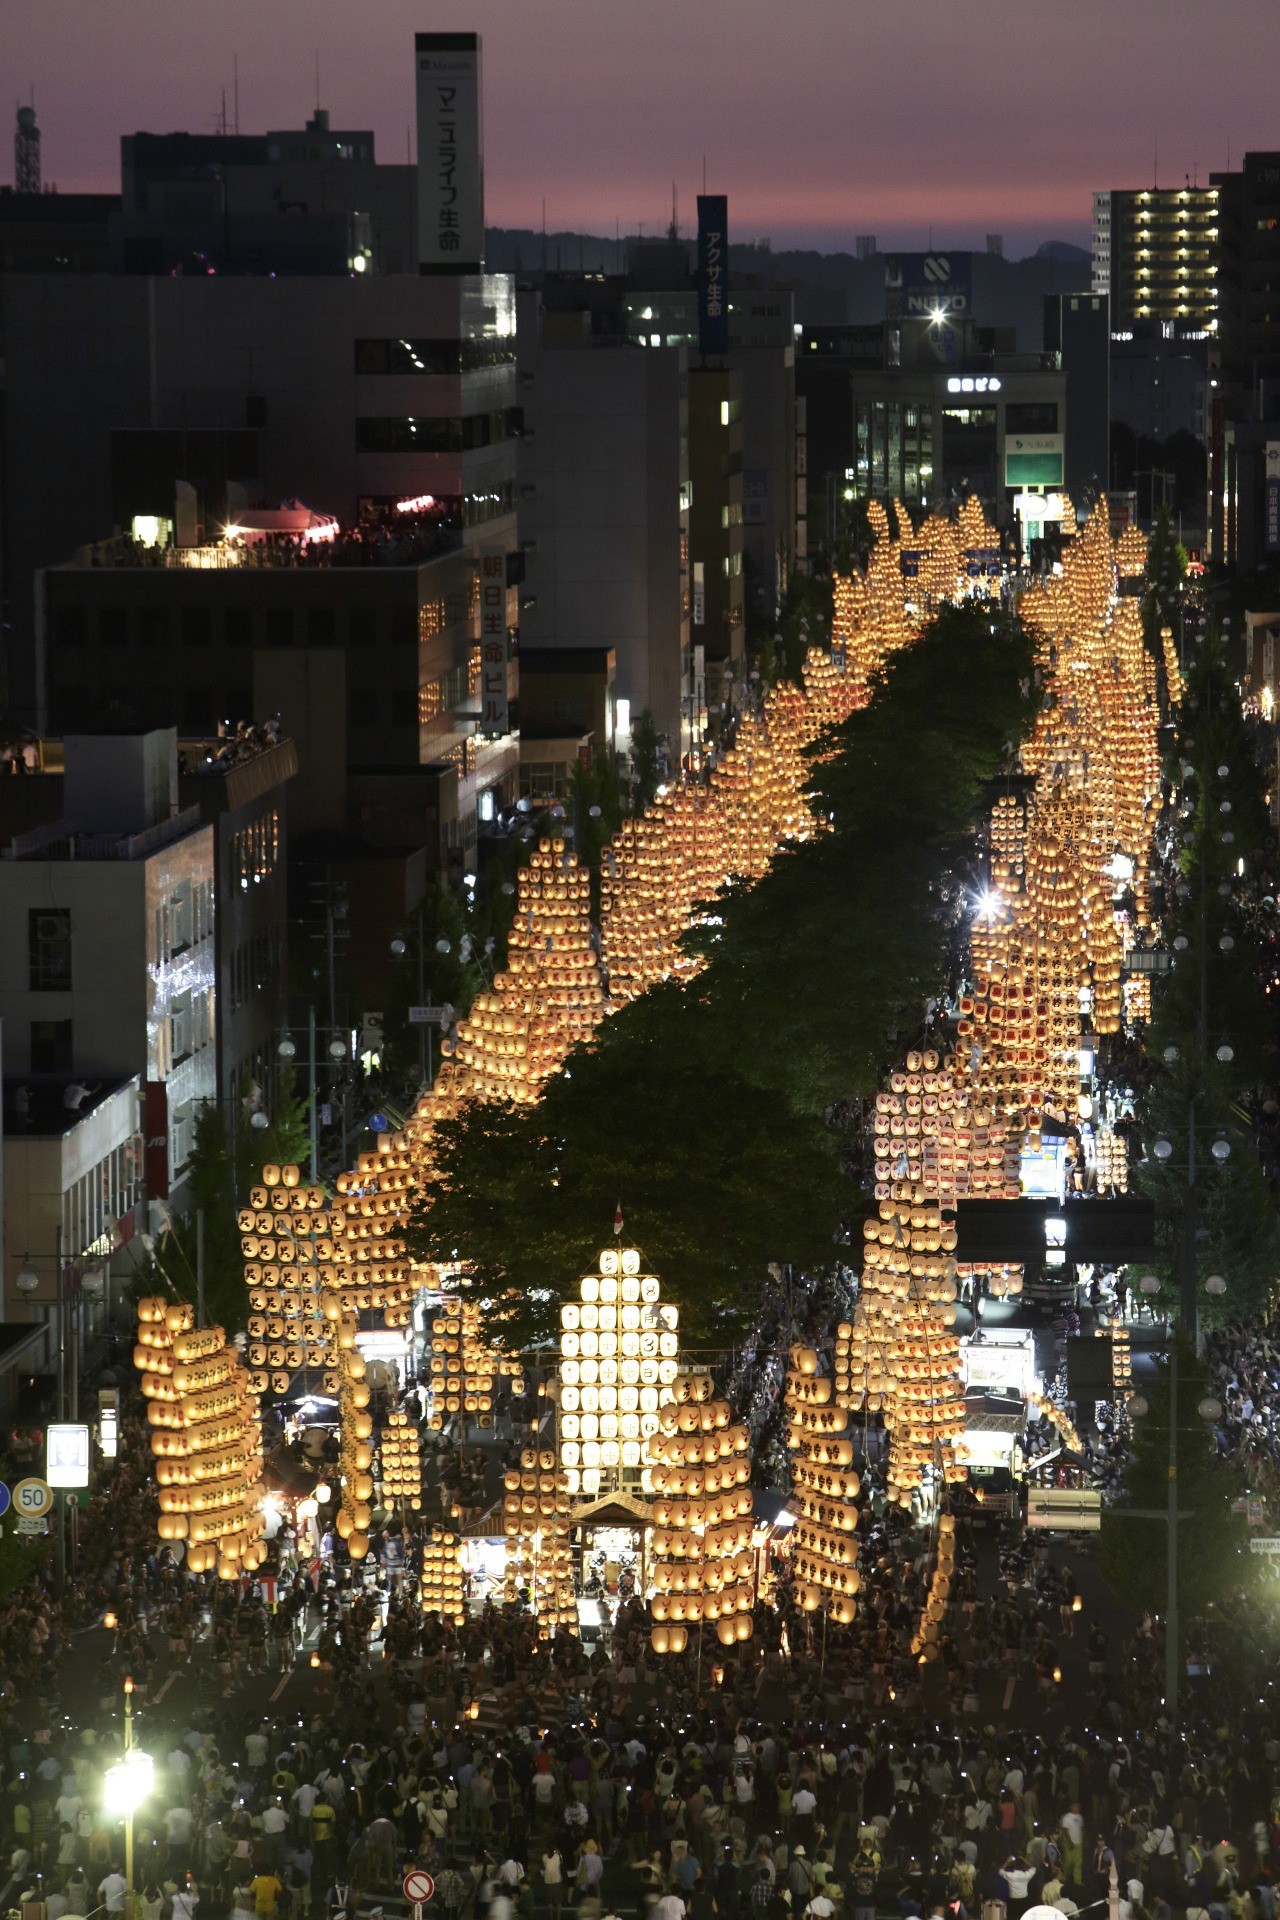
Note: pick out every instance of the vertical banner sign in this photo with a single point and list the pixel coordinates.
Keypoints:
(450, 153)
(713, 273)
(1273, 496)
(493, 641)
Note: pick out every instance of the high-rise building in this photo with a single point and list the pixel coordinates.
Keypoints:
(717, 630)
(762, 351)
(372, 659)
(1249, 256)
(107, 941)
(1077, 330)
(1155, 253)
(604, 507)
(171, 401)
(309, 201)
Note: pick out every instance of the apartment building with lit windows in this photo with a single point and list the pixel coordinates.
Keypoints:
(1155, 252)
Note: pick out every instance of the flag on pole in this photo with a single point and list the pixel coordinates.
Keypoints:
(617, 1222)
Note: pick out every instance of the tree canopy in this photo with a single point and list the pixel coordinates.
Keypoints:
(1215, 766)
(1212, 1556)
(707, 1109)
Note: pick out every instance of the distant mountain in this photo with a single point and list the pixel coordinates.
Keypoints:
(1064, 252)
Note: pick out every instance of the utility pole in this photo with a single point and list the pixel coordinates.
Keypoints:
(1171, 1627)
(314, 1090)
(200, 1321)
(60, 1526)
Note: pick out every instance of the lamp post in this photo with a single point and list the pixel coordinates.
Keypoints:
(126, 1785)
(287, 1051)
(27, 1281)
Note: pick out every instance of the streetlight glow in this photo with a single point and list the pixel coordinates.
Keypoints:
(127, 1784)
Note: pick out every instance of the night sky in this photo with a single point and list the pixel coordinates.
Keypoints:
(822, 119)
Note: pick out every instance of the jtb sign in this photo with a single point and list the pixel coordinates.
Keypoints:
(713, 272)
(450, 164)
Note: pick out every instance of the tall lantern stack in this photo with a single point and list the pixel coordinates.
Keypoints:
(902, 1356)
(206, 1438)
(824, 1549)
(549, 998)
(462, 1367)
(618, 1348)
(288, 1237)
(924, 1643)
(535, 1519)
(355, 1431)
(400, 1464)
(441, 1587)
(703, 1565)
(374, 1271)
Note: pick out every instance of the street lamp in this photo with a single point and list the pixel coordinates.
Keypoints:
(125, 1786)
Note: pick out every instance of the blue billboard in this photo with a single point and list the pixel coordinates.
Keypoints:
(713, 272)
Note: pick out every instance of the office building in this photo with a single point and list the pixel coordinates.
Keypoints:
(604, 490)
(285, 202)
(1077, 329)
(368, 649)
(238, 784)
(762, 351)
(1161, 381)
(107, 941)
(937, 420)
(1155, 253)
(1249, 252)
(171, 401)
(73, 1185)
(717, 589)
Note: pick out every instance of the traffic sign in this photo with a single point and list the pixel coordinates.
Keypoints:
(26, 1525)
(430, 1016)
(379, 1123)
(5, 1497)
(1264, 1543)
(33, 1498)
(418, 1886)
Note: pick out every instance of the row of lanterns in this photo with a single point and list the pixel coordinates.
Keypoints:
(206, 1439)
(703, 1562)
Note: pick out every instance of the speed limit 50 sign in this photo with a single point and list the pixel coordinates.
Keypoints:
(32, 1499)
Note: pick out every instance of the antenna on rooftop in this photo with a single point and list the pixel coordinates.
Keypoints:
(26, 151)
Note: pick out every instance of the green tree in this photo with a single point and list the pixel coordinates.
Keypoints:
(1216, 985)
(286, 1138)
(644, 760)
(216, 1190)
(708, 1108)
(1166, 574)
(1212, 1552)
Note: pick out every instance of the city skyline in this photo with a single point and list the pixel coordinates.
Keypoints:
(922, 125)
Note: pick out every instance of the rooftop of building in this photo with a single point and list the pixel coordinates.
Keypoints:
(47, 1106)
(364, 546)
(69, 840)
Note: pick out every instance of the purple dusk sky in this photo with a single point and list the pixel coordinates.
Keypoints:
(822, 119)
